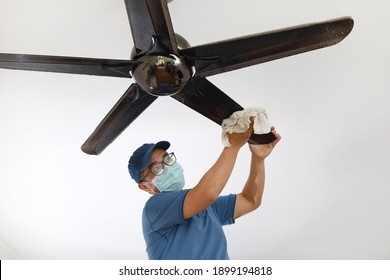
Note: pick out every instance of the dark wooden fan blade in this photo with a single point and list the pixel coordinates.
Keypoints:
(125, 111)
(71, 65)
(205, 98)
(150, 19)
(162, 24)
(219, 57)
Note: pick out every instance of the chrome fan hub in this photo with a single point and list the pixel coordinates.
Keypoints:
(161, 75)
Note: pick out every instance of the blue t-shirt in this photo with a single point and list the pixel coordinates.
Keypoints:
(169, 236)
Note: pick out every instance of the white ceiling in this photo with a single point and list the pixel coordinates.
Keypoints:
(327, 192)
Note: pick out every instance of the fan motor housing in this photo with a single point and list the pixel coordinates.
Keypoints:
(161, 74)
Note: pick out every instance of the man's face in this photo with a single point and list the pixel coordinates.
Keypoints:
(157, 156)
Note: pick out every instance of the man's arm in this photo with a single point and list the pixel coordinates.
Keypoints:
(250, 197)
(214, 180)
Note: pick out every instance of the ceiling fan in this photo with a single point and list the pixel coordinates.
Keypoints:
(163, 63)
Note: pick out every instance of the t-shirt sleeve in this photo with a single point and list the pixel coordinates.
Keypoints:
(165, 210)
(224, 208)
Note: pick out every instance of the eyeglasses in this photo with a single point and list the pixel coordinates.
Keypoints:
(158, 167)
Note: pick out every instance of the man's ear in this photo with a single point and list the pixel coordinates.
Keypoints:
(143, 187)
(148, 187)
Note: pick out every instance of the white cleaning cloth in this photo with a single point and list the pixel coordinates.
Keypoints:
(239, 122)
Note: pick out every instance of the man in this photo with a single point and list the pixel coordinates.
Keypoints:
(187, 224)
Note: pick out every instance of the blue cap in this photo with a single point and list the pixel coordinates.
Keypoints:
(141, 158)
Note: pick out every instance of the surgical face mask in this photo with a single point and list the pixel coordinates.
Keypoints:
(171, 180)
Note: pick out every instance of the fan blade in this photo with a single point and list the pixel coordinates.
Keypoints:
(219, 57)
(150, 19)
(71, 65)
(205, 98)
(125, 111)
(162, 24)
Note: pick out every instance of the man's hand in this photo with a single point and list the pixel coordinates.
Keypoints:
(262, 151)
(239, 139)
